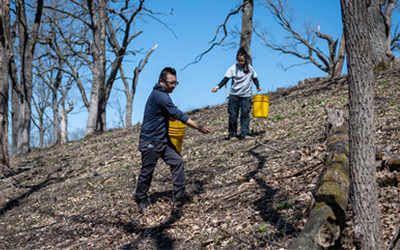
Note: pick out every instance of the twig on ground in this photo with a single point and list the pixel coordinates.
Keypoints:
(234, 236)
(270, 147)
(301, 170)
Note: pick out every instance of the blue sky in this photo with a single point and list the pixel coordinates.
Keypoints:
(194, 24)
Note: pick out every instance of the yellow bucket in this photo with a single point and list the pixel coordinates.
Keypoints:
(176, 133)
(260, 105)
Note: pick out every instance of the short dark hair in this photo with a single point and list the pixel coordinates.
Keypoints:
(165, 72)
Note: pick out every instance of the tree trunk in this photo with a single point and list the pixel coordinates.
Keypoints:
(5, 47)
(21, 120)
(128, 112)
(337, 68)
(380, 34)
(41, 132)
(97, 112)
(367, 226)
(21, 102)
(64, 123)
(55, 103)
(130, 94)
(247, 27)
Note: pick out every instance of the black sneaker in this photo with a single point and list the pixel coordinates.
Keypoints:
(143, 204)
(181, 198)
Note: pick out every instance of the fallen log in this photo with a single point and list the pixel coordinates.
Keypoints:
(387, 162)
(392, 164)
(327, 218)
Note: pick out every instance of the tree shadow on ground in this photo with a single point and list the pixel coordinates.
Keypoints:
(8, 172)
(264, 204)
(32, 189)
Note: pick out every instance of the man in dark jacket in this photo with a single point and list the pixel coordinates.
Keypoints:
(154, 141)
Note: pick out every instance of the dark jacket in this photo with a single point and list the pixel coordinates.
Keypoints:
(159, 108)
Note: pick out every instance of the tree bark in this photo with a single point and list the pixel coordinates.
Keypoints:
(64, 121)
(97, 113)
(380, 33)
(367, 226)
(247, 27)
(5, 53)
(338, 66)
(101, 88)
(55, 103)
(21, 102)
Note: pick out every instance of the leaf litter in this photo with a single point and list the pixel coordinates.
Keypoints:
(246, 194)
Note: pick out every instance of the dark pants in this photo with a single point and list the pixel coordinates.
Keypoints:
(151, 151)
(234, 103)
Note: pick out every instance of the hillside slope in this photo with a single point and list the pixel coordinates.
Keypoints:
(246, 194)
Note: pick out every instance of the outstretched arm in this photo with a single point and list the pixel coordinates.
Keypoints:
(200, 128)
(221, 84)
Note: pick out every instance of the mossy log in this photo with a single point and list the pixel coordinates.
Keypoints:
(392, 164)
(327, 218)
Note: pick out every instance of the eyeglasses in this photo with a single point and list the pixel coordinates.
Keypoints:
(171, 83)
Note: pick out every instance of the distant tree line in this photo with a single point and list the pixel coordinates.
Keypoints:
(50, 47)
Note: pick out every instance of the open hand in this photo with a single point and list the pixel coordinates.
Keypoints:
(204, 129)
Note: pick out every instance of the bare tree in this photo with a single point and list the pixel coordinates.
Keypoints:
(5, 56)
(102, 21)
(41, 103)
(395, 41)
(52, 70)
(22, 92)
(64, 120)
(367, 226)
(304, 46)
(130, 91)
(380, 23)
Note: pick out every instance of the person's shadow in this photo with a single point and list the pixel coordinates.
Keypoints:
(157, 233)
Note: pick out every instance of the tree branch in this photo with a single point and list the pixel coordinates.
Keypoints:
(222, 26)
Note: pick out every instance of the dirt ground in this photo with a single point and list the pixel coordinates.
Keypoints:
(246, 194)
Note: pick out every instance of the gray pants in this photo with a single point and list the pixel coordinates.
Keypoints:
(151, 151)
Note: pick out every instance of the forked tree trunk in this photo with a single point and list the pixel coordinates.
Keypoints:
(21, 102)
(97, 109)
(130, 94)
